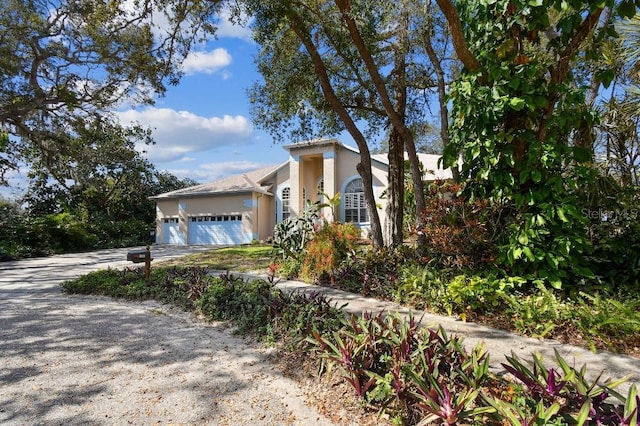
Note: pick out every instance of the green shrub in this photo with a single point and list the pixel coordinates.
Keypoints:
(298, 316)
(213, 300)
(481, 294)
(604, 318)
(459, 233)
(373, 272)
(614, 229)
(99, 282)
(536, 314)
(291, 236)
(425, 288)
(128, 283)
(289, 268)
(248, 303)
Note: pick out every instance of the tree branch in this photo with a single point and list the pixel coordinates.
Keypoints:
(459, 42)
(364, 167)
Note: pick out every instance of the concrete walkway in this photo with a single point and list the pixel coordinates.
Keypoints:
(498, 342)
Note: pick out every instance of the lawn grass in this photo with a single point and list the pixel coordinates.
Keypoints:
(239, 259)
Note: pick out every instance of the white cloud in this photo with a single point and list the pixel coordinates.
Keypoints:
(180, 134)
(213, 171)
(228, 29)
(206, 62)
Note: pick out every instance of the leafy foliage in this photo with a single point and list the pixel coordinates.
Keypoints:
(401, 366)
(517, 112)
(291, 236)
(330, 246)
(248, 303)
(561, 393)
(535, 314)
(66, 63)
(459, 233)
(425, 287)
(255, 306)
(614, 230)
(604, 318)
(93, 194)
(372, 272)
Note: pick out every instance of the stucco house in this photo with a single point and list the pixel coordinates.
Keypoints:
(246, 207)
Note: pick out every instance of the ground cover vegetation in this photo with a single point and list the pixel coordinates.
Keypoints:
(405, 373)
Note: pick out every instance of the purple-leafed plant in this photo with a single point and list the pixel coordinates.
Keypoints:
(631, 412)
(446, 403)
(591, 395)
(539, 380)
(569, 388)
(356, 349)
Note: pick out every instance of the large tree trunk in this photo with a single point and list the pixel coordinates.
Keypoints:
(395, 205)
(418, 185)
(396, 117)
(442, 97)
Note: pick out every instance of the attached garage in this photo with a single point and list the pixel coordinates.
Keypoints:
(216, 230)
(230, 211)
(171, 231)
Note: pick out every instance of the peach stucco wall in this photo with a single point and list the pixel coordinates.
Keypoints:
(334, 163)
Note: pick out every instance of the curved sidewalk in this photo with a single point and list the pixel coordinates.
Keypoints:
(498, 342)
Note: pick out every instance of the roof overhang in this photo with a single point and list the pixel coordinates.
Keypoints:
(210, 194)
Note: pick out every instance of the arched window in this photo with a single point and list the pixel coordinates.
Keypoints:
(355, 208)
(286, 203)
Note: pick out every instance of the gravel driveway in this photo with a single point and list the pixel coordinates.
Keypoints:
(93, 360)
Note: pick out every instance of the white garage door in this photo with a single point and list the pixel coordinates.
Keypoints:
(171, 231)
(216, 230)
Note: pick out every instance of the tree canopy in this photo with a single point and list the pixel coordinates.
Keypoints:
(64, 62)
(354, 66)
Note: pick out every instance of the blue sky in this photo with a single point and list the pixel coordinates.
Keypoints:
(202, 127)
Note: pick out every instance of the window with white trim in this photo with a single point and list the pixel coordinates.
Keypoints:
(355, 208)
(320, 189)
(286, 203)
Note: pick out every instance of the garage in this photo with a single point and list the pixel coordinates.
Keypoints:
(216, 230)
(171, 231)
